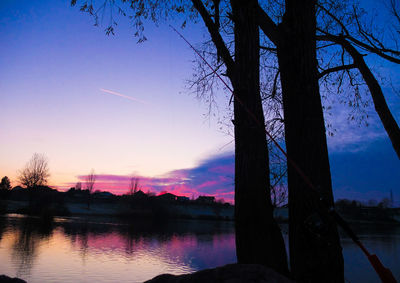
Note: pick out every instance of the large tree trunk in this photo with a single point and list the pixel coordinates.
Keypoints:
(315, 251)
(258, 237)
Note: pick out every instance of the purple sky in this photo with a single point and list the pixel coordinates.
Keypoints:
(87, 101)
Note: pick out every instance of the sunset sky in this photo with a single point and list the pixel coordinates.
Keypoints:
(87, 100)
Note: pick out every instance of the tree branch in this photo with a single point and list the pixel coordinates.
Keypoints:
(336, 69)
(378, 51)
(268, 48)
(371, 47)
(344, 29)
(267, 25)
(275, 85)
(216, 37)
(381, 107)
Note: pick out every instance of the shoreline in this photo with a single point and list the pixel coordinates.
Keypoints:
(166, 211)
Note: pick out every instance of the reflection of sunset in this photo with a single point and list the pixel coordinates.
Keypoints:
(72, 251)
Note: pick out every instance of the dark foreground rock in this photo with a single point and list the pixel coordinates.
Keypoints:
(6, 279)
(231, 273)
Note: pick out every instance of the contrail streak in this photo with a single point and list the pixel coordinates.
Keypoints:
(122, 95)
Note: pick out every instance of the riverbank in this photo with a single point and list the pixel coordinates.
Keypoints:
(128, 210)
(187, 210)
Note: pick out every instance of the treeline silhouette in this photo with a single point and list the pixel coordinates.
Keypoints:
(372, 211)
(47, 202)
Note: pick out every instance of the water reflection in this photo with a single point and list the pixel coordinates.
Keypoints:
(2, 226)
(382, 240)
(100, 250)
(27, 238)
(106, 250)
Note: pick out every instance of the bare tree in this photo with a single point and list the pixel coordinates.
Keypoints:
(89, 184)
(78, 186)
(35, 172)
(133, 185)
(90, 180)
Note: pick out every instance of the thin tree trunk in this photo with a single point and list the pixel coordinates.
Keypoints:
(315, 251)
(258, 237)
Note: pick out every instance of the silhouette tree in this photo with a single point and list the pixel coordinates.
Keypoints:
(90, 180)
(78, 186)
(384, 203)
(35, 173)
(5, 184)
(343, 37)
(133, 185)
(5, 187)
(314, 257)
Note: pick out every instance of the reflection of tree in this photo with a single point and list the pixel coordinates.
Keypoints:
(132, 240)
(2, 226)
(78, 233)
(167, 241)
(25, 248)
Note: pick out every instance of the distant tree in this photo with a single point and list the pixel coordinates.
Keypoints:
(89, 183)
(5, 188)
(372, 203)
(133, 185)
(384, 203)
(391, 199)
(35, 173)
(5, 183)
(342, 203)
(78, 186)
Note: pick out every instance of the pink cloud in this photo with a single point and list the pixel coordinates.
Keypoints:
(207, 184)
(211, 177)
(223, 169)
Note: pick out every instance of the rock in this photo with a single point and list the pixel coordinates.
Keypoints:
(231, 273)
(6, 279)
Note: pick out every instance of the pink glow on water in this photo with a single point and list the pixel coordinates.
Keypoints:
(174, 247)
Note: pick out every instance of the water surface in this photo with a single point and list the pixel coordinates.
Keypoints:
(99, 250)
(107, 250)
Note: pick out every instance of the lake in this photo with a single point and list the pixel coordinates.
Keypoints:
(105, 250)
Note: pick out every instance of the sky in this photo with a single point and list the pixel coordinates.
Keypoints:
(91, 101)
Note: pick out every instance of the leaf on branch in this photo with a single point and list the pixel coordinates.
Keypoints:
(121, 12)
(142, 39)
(109, 30)
(180, 9)
(83, 7)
